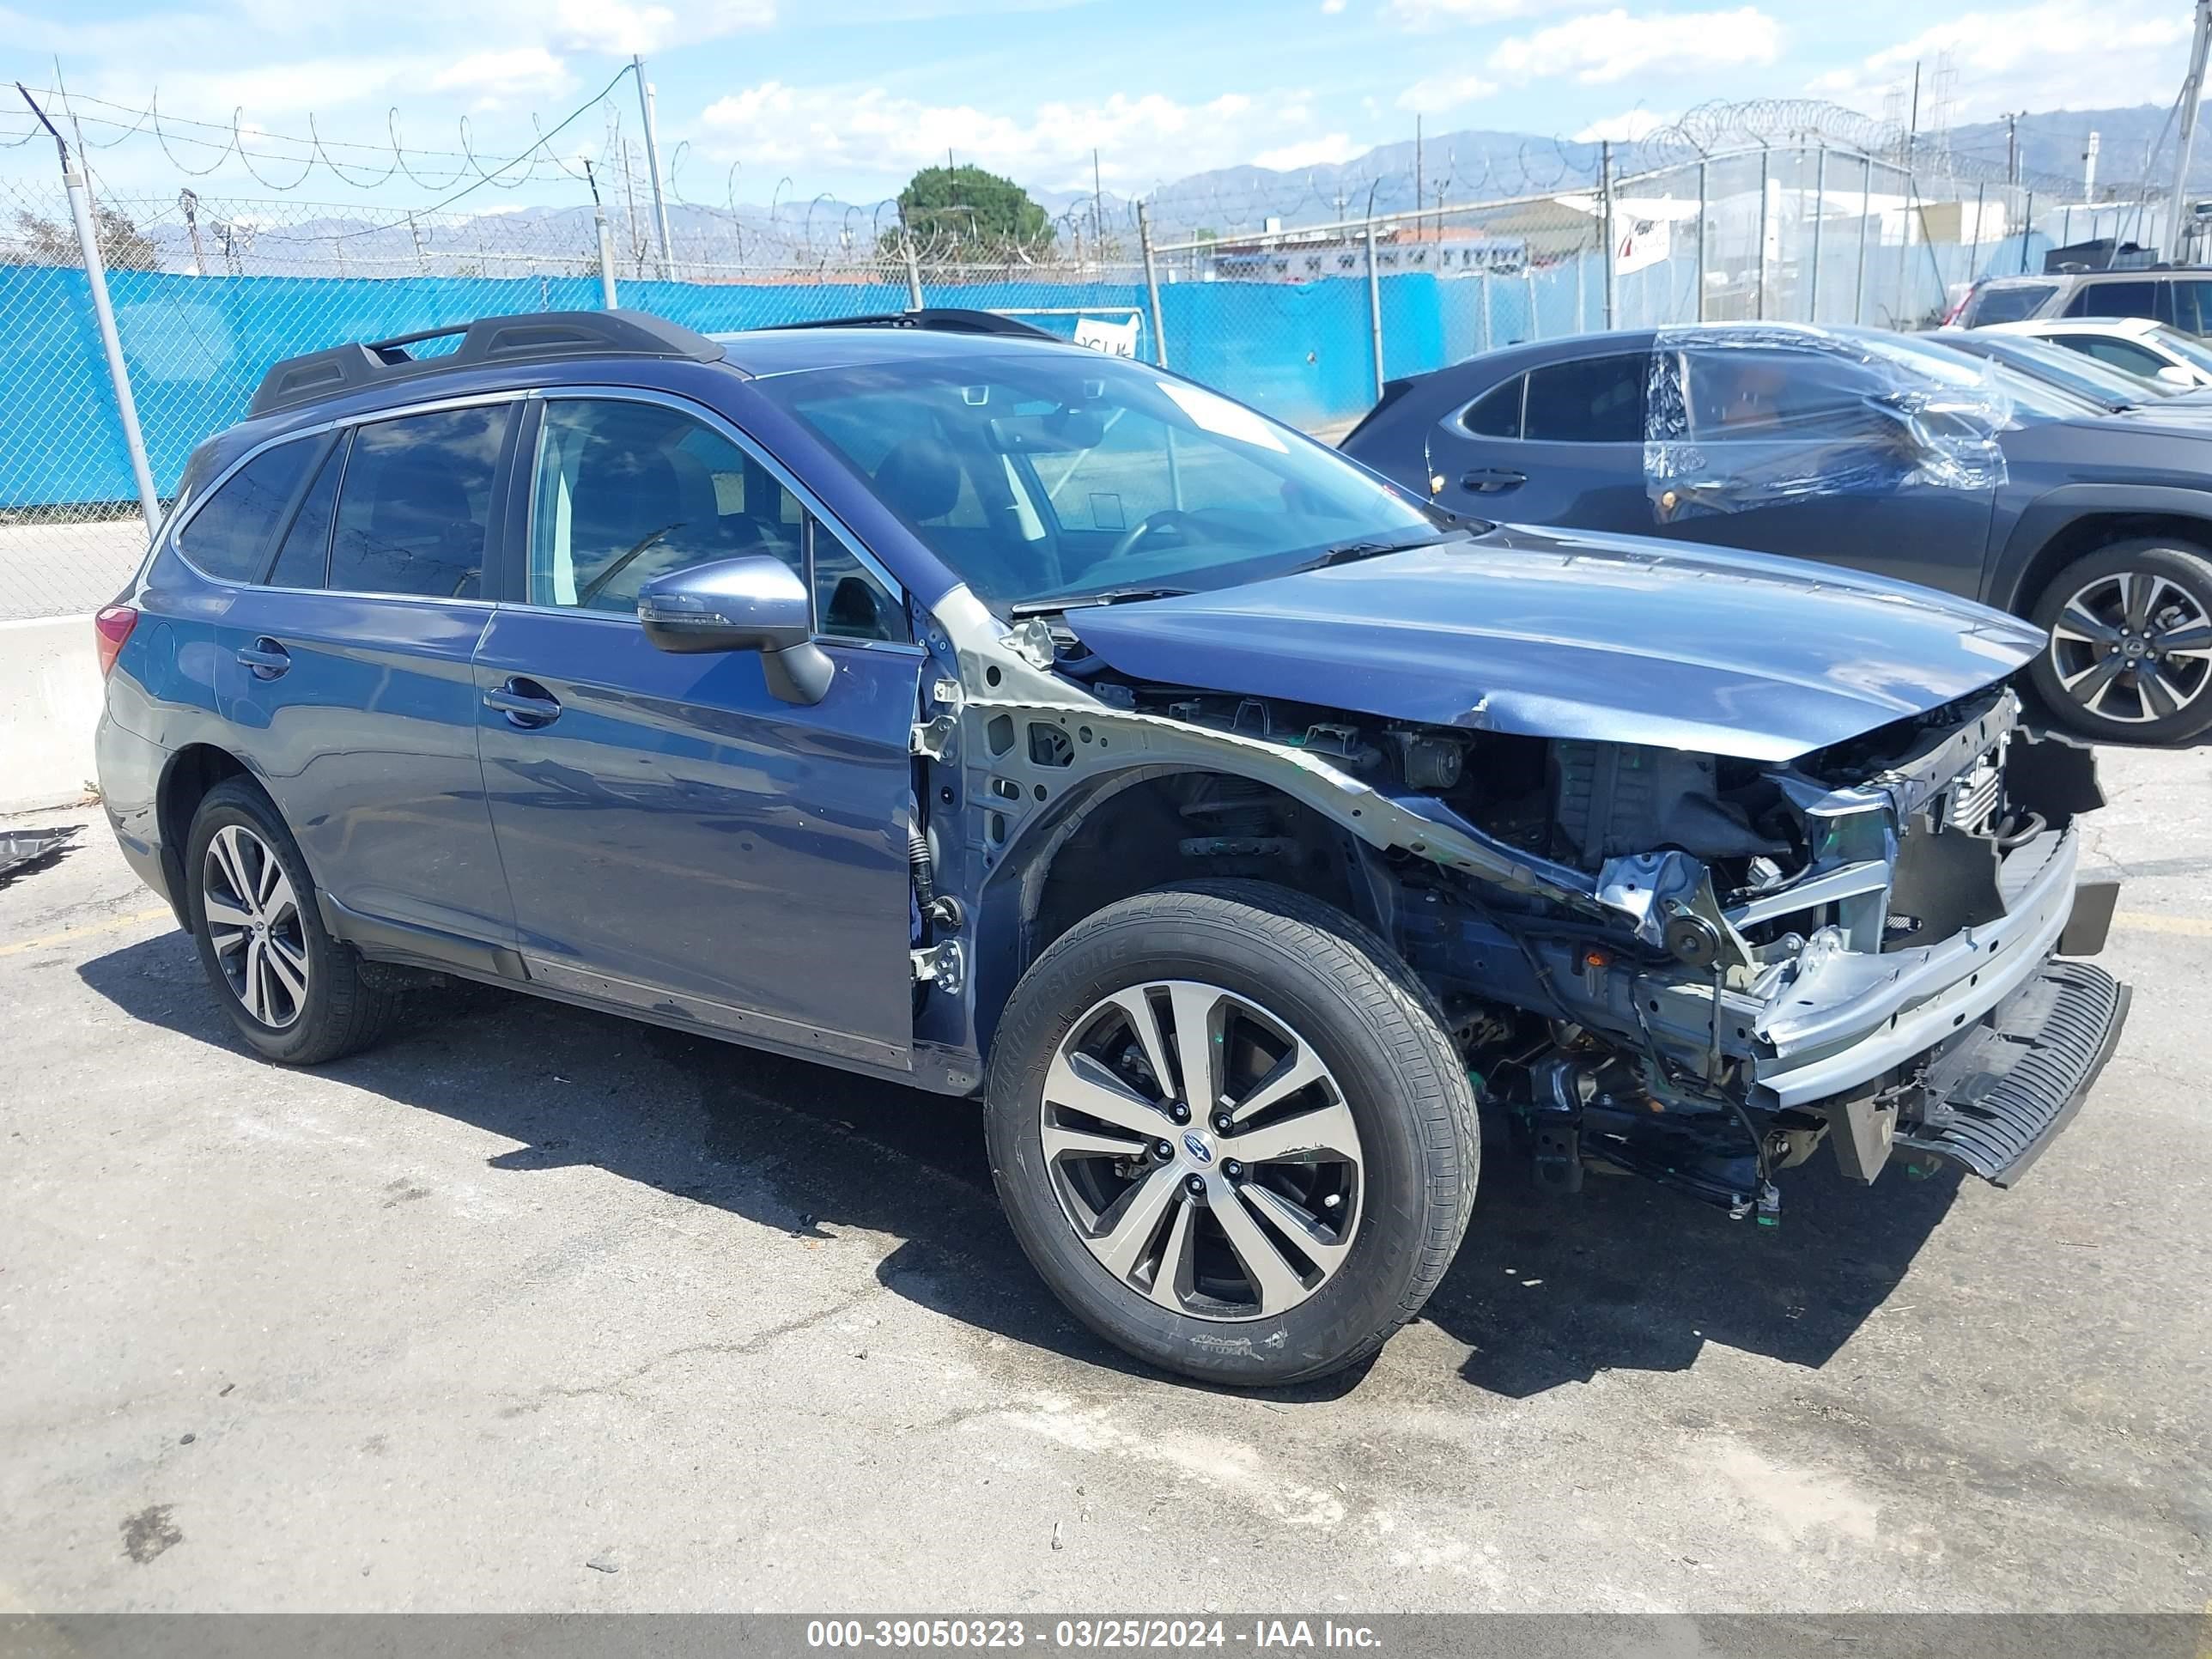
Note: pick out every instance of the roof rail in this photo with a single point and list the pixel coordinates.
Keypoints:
(944, 319)
(540, 336)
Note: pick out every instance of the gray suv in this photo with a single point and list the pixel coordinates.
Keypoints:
(2181, 298)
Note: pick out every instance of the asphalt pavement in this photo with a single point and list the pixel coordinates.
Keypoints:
(530, 1309)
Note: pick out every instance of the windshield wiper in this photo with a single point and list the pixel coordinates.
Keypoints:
(1352, 552)
(1106, 596)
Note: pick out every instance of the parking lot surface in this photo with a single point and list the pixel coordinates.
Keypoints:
(529, 1308)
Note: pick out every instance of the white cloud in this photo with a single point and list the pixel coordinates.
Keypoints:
(1629, 127)
(1439, 93)
(774, 127)
(1330, 7)
(1312, 153)
(621, 26)
(517, 71)
(1612, 45)
(2059, 54)
(1440, 14)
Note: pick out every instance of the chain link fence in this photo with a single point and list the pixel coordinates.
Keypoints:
(1306, 321)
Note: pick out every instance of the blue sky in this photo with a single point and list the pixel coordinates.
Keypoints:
(848, 96)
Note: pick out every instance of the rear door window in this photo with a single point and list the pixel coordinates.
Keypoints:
(229, 537)
(2015, 302)
(2115, 300)
(415, 508)
(1497, 413)
(1598, 400)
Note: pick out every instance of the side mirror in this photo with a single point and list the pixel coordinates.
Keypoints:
(2175, 378)
(752, 604)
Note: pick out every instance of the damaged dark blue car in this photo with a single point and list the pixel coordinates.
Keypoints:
(932, 699)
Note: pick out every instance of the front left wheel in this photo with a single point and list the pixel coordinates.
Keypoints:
(1231, 1132)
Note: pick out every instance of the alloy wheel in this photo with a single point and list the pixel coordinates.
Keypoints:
(1202, 1151)
(2132, 647)
(253, 921)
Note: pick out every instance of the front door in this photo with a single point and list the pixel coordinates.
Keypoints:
(1815, 453)
(676, 839)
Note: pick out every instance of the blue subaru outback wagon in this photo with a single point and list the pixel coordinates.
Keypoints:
(937, 699)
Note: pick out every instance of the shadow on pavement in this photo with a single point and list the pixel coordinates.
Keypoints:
(1546, 1290)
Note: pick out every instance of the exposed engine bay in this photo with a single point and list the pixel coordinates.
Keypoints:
(1693, 967)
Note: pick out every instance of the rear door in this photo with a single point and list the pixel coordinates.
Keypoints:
(676, 838)
(1561, 445)
(345, 674)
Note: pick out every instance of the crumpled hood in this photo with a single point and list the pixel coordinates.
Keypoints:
(1563, 634)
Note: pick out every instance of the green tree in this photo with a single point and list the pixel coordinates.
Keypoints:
(123, 246)
(967, 205)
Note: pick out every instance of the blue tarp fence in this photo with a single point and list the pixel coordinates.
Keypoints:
(197, 346)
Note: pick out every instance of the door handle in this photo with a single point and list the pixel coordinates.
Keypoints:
(524, 703)
(266, 657)
(1491, 481)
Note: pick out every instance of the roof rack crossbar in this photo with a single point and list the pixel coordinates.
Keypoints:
(540, 336)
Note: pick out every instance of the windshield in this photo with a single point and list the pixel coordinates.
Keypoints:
(1056, 476)
(2186, 346)
(2076, 372)
(2030, 399)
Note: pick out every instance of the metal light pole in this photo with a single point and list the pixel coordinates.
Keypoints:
(2185, 144)
(1604, 219)
(111, 343)
(1152, 285)
(653, 166)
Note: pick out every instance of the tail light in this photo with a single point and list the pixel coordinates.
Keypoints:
(111, 628)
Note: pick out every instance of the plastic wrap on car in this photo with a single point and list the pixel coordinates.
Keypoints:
(1813, 414)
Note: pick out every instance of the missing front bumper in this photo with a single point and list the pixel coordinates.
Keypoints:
(1994, 1101)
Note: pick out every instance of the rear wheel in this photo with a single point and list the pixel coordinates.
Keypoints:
(294, 992)
(1231, 1132)
(2129, 659)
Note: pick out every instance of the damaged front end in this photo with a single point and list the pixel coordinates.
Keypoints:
(1866, 945)
(1830, 895)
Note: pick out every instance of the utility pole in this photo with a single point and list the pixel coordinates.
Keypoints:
(605, 240)
(2089, 169)
(1421, 178)
(2185, 144)
(191, 204)
(1097, 205)
(1912, 126)
(653, 166)
(2012, 147)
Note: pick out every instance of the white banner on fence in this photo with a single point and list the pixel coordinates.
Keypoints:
(1114, 339)
(1641, 243)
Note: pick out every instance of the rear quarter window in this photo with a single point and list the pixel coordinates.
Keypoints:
(229, 537)
(1497, 413)
(2015, 302)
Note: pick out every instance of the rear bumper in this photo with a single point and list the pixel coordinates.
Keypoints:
(130, 772)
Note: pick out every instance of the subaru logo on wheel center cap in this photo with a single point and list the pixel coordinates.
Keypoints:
(1195, 1144)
